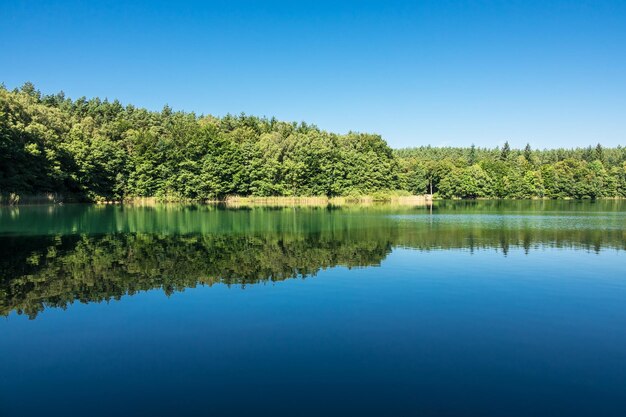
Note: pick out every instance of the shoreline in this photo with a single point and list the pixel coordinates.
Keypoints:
(231, 201)
(13, 200)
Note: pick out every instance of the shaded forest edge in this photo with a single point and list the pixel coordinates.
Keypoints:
(53, 148)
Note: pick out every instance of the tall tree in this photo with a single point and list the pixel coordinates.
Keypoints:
(472, 155)
(599, 153)
(528, 153)
(506, 150)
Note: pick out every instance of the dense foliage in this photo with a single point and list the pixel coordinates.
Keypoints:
(508, 173)
(101, 150)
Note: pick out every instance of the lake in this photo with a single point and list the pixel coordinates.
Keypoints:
(481, 308)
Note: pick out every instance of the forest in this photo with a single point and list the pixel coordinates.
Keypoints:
(100, 150)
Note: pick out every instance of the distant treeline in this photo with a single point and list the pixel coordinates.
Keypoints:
(592, 172)
(101, 150)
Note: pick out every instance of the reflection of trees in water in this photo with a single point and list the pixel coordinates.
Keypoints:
(39, 272)
(62, 270)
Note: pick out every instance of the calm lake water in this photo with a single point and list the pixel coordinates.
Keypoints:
(469, 309)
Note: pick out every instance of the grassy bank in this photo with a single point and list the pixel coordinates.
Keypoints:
(322, 201)
(394, 197)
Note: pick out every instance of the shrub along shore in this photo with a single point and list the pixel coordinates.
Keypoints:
(55, 149)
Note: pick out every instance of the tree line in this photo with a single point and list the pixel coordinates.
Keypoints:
(582, 173)
(96, 150)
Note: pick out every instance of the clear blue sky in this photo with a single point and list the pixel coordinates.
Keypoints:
(552, 73)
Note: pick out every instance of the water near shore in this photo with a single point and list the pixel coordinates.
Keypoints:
(484, 308)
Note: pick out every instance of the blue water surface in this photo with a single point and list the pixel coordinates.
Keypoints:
(467, 318)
